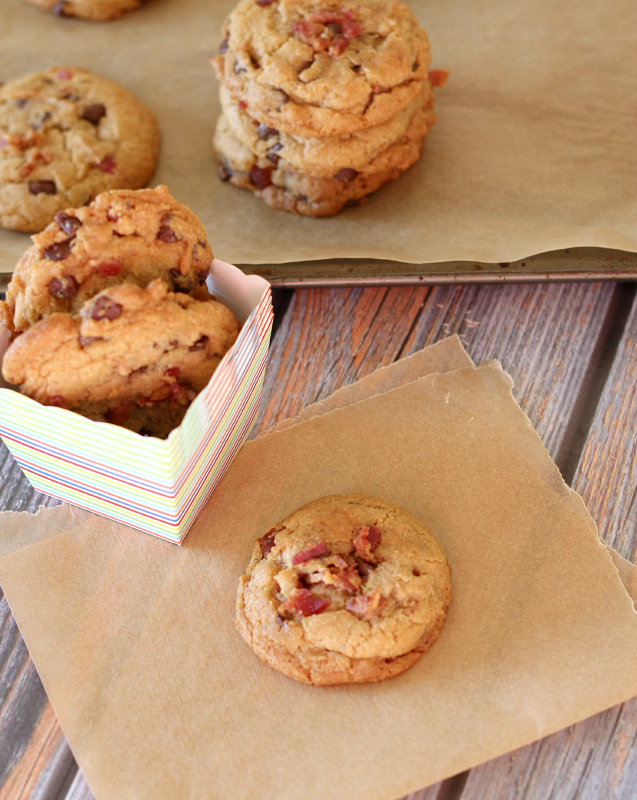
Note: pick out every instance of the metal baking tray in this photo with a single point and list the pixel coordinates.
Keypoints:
(573, 264)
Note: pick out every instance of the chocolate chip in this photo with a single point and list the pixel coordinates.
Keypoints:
(414, 66)
(346, 175)
(272, 157)
(238, 69)
(264, 132)
(69, 224)
(93, 113)
(105, 308)
(223, 47)
(260, 176)
(42, 187)
(58, 251)
(45, 116)
(202, 277)
(225, 173)
(165, 232)
(254, 62)
(334, 28)
(145, 432)
(168, 235)
(200, 344)
(21, 102)
(63, 287)
(85, 341)
(59, 9)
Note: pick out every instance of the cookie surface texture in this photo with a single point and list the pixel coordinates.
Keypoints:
(133, 356)
(65, 136)
(121, 236)
(347, 589)
(89, 9)
(322, 68)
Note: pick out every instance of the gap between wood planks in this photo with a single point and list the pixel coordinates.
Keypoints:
(594, 381)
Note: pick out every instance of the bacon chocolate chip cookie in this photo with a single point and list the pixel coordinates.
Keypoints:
(322, 67)
(65, 136)
(347, 589)
(132, 356)
(121, 236)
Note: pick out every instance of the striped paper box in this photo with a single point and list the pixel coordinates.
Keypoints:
(156, 485)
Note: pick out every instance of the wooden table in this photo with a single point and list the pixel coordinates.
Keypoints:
(572, 352)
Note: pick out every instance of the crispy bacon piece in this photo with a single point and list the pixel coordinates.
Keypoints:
(366, 606)
(328, 30)
(303, 602)
(438, 77)
(365, 539)
(314, 551)
(266, 543)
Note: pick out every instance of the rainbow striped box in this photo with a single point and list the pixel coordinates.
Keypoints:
(156, 485)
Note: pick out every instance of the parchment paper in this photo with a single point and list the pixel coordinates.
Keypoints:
(533, 150)
(160, 698)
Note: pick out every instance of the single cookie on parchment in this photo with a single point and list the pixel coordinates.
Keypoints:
(65, 136)
(347, 589)
(99, 10)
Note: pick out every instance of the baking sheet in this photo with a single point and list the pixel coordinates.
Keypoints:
(533, 152)
(160, 697)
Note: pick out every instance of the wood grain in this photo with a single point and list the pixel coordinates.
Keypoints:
(553, 340)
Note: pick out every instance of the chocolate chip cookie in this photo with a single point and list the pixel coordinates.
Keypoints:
(369, 151)
(347, 589)
(65, 136)
(132, 356)
(121, 236)
(89, 9)
(286, 187)
(322, 68)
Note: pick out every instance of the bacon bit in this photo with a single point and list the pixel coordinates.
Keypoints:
(107, 268)
(327, 30)
(366, 606)
(364, 569)
(65, 74)
(438, 77)
(264, 3)
(242, 105)
(348, 580)
(315, 551)
(45, 155)
(266, 543)
(26, 170)
(338, 44)
(365, 539)
(143, 402)
(107, 164)
(303, 602)
(172, 372)
(120, 413)
(57, 400)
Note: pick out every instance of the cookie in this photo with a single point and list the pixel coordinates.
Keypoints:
(133, 356)
(347, 589)
(303, 193)
(322, 68)
(89, 9)
(65, 136)
(371, 150)
(121, 236)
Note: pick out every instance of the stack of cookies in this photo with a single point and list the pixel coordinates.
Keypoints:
(110, 315)
(323, 100)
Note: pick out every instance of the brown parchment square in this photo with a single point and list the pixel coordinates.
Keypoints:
(533, 150)
(160, 698)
